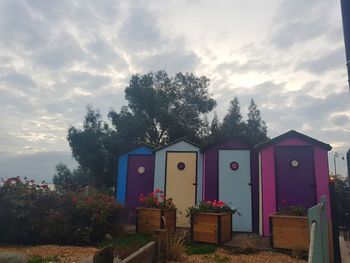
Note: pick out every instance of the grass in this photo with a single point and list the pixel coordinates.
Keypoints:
(217, 258)
(40, 259)
(126, 244)
(125, 241)
(193, 248)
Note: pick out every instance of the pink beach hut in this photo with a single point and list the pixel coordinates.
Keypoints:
(293, 170)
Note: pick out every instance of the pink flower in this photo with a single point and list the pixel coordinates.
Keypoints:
(209, 202)
(157, 191)
(74, 199)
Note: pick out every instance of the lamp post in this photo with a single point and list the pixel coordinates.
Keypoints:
(335, 163)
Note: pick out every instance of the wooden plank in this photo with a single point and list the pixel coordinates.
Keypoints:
(146, 254)
(226, 227)
(290, 232)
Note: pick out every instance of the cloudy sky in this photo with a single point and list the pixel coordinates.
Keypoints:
(58, 56)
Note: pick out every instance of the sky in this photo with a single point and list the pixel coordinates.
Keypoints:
(58, 56)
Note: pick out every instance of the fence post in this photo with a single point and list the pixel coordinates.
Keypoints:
(335, 227)
(161, 236)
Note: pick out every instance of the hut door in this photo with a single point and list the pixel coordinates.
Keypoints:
(139, 181)
(295, 179)
(180, 184)
(235, 186)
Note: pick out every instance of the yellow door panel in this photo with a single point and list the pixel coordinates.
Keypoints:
(181, 172)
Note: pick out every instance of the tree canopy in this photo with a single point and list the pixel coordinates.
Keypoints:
(159, 109)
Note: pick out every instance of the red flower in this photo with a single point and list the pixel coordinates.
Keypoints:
(74, 199)
(157, 191)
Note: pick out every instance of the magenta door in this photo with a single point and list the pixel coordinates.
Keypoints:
(139, 181)
(295, 177)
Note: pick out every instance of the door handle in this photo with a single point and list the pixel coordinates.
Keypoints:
(194, 184)
(250, 184)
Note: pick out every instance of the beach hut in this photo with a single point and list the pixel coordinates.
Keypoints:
(293, 170)
(135, 176)
(231, 175)
(178, 172)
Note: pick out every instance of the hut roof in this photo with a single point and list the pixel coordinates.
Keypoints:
(176, 141)
(292, 134)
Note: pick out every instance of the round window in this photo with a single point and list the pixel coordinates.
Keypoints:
(141, 170)
(294, 163)
(234, 166)
(181, 166)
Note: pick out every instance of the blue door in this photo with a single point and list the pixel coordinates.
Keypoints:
(235, 186)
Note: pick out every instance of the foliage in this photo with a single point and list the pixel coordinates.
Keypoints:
(211, 207)
(66, 180)
(194, 248)
(217, 258)
(233, 126)
(162, 108)
(256, 129)
(126, 240)
(40, 259)
(12, 257)
(176, 245)
(92, 148)
(291, 210)
(31, 213)
(156, 199)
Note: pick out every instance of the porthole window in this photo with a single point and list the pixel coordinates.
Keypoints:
(294, 163)
(234, 166)
(141, 170)
(181, 166)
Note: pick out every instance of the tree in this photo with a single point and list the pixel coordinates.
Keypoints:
(162, 108)
(233, 126)
(65, 179)
(91, 148)
(256, 129)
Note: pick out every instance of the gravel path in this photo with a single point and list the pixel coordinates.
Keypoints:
(223, 256)
(66, 254)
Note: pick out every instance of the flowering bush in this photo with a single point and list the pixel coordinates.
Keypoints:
(31, 213)
(211, 207)
(156, 199)
(291, 210)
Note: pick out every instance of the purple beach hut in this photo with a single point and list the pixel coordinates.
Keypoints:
(293, 170)
(135, 176)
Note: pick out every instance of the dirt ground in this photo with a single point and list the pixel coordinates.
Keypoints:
(223, 256)
(69, 254)
(65, 254)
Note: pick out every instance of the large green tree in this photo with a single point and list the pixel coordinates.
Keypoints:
(162, 108)
(233, 126)
(256, 129)
(92, 148)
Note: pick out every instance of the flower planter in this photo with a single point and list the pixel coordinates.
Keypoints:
(150, 219)
(211, 227)
(289, 232)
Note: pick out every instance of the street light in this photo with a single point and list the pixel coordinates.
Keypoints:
(335, 163)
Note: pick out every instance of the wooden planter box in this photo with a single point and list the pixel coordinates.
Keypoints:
(211, 228)
(150, 219)
(289, 232)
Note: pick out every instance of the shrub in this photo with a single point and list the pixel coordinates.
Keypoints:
(291, 210)
(176, 247)
(31, 213)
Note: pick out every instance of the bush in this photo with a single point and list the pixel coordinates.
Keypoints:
(31, 213)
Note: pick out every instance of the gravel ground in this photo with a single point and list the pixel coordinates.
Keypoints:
(69, 254)
(66, 254)
(223, 256)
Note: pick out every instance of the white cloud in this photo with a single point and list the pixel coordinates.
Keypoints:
(58, 56)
